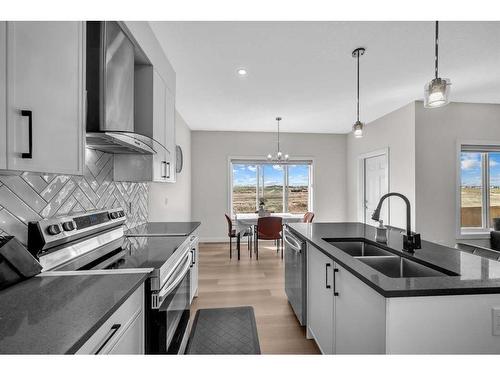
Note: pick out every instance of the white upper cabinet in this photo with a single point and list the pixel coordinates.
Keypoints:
(3, 94)
(160, 159)
(44, 95)
(170, 133)
(154, 110)
(154, 116)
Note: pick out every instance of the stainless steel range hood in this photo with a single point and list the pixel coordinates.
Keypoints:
(110, 92)
(121, 143)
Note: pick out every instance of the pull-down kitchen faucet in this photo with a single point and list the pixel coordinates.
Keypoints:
(410, 241)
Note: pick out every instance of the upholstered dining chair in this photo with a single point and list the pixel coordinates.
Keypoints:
(232, 234)
(308, 217)
(269, 228)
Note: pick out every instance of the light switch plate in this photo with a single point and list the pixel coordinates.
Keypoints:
(496, 321)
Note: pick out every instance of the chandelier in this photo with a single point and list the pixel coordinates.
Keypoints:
(279, 155)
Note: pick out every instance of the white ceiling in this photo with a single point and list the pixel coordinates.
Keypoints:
(304, 72)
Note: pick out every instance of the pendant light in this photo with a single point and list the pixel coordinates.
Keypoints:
(358, 126)
(279, 157)
(437, 91)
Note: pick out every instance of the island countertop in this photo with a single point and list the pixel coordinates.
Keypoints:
(477, 275)
(58, 314)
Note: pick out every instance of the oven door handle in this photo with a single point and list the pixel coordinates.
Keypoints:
(169, 286)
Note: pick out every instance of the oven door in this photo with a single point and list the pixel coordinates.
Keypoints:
(173, 307)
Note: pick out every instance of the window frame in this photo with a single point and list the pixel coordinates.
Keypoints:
(479, 147)
(259, 161)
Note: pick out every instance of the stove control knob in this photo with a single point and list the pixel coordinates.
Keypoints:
(53, 229)
(68, 226)
(114, 215)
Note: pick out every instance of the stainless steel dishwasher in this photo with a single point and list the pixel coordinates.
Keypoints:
(295, 274)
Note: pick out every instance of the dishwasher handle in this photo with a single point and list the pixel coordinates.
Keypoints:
(292, 241)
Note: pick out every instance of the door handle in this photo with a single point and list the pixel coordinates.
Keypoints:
(335, 293)
(327, 286)
(29, 114)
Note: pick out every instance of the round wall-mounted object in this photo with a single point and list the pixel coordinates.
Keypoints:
(179, 159)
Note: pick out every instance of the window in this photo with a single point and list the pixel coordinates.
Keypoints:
(282, 187)
(479, 187)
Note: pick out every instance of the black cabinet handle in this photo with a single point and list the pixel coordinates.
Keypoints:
(164, 175)
(335, 293)
(108, 337)
(326, 276)
(29, 114)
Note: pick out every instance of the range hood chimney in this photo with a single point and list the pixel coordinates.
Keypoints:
(110, 92)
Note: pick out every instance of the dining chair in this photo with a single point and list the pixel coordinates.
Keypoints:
(308, 217)
(269, 228)
(232, 234)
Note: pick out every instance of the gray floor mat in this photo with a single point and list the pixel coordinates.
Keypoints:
(230, 330)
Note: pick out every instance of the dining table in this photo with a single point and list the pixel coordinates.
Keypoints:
(243, 222)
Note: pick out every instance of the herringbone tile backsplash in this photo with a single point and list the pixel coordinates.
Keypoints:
(32, 196)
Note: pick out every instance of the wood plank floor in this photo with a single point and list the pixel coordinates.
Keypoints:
(249, 282)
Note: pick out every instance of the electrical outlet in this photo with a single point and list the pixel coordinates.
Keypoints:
(496, 321)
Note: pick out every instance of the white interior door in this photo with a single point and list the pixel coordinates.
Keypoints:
(376, 184)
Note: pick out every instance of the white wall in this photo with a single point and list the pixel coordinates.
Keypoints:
(438, 131)
(210, 190)
(172, 202)
(395, 131)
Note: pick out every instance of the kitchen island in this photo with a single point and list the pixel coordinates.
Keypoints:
(369, 297)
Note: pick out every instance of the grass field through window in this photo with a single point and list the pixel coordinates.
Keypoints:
(471, 211)
(244, 199)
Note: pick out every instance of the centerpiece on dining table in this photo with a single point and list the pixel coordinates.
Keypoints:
(262, 212)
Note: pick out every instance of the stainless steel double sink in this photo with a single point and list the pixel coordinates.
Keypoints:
(386, 262)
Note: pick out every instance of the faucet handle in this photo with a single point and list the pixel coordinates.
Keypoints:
(412, 242)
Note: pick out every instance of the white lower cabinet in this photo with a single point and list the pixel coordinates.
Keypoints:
(194, 269)
(359, 316)
(320, 301)
(123, 332)
(345, 316)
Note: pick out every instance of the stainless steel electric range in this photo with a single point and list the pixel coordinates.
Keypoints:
(95, 242)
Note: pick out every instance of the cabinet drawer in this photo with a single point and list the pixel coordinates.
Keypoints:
(128, 317)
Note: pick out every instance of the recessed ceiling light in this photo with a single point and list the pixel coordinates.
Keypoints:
(242, 72)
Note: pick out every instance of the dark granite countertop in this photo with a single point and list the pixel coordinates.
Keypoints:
(164, 229)
(477, 275)
(57, 314)
(145, 252)
(484, 243)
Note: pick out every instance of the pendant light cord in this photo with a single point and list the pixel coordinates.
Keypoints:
(437, 46)
(357, 104)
